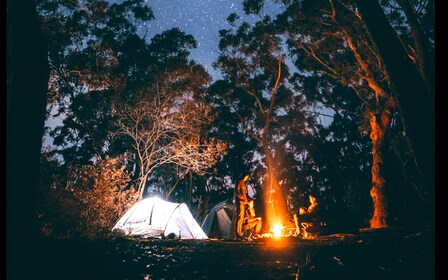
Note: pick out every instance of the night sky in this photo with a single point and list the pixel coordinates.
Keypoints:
(203, 19)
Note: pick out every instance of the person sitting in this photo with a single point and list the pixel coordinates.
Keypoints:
(241, 201)
(252, 224)
(310, 218)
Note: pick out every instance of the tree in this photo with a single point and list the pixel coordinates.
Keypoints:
(343, 51)
(27, 81)
(95, 54)
(98, 59)
(422, 51)
(165, 125)
(102, 62)
(257, 94)
(415, 101)
(401, 58)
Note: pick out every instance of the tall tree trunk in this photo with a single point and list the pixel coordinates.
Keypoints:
(415, 103)
(421, 42)
(27, 85)
(274, 196)
(380, 125)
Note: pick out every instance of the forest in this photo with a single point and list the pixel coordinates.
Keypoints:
(334, 98)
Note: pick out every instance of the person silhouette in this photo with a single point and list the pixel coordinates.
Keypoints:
(241, 202)
(252, 224)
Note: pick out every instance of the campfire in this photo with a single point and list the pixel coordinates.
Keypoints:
(278, 218)
(278, 230)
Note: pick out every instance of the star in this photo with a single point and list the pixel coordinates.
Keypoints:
(203, 19)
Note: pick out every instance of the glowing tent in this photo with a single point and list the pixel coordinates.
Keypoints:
(154, 217)
(220, 221)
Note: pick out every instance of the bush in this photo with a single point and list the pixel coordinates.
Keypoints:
(94, 198)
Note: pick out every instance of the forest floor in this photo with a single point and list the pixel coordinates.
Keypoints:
(370, 254)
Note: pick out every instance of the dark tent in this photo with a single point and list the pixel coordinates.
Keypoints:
(220, 221)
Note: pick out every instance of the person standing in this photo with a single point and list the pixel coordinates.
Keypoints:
(241, 201)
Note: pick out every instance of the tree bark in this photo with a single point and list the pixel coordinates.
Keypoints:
(27, 84)
(415, 103)
(277, 210)
(142, 186)
(380, 125)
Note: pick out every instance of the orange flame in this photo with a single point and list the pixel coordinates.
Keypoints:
(277, 230)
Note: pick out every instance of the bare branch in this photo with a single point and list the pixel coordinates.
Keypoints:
(165, 126)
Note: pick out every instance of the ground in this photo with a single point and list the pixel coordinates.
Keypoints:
(382, 254)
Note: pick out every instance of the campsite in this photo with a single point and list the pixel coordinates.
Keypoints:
(221, 139)
(386, 255)
(157, 239)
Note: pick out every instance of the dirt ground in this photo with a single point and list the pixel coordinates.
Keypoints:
(392, 254)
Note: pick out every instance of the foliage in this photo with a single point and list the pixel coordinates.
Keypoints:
(265, 114)
(88, 201)
(94, 53)
(100, 60)
(109, 198)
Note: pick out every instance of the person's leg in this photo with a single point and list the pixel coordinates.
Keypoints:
(239, 225)
(258, 227)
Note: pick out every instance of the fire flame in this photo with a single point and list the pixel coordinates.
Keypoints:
(277, 230)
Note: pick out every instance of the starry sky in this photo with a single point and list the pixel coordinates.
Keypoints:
(203, 19)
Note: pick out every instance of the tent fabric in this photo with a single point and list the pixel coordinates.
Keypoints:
(220, 221)
(155, 217)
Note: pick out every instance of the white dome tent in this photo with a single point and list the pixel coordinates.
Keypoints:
(154, 217)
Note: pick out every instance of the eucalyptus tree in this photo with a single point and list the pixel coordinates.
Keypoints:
(26, 84)
(357, 23)
(343, 52)
(258, 95)
(411, 70)
(414, 22)
(94, 53)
